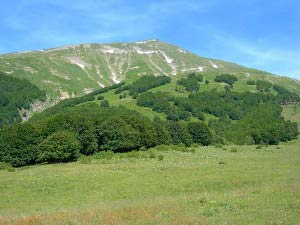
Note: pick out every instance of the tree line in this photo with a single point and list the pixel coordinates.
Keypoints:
(89, 128)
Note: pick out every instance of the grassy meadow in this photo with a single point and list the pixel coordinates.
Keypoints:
(164, 185)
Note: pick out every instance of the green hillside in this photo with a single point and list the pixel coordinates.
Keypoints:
(79, 69)
(218, 104)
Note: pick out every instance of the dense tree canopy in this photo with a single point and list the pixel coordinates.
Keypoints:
(226, 78)
(61, 146)
(143, 84)
(16, 94)
(63, 132)
(191, 82)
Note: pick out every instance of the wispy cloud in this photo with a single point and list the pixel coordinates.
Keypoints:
(258, 54)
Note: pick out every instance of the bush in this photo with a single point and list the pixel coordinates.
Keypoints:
(104, 103)
(191, 82)
(61, 146)
(233, 150)
(251, 82)
(160, 157)
(263, 86)
(100, 97)
(222, 163)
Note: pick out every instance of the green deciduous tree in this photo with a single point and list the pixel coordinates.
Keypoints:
(61, 146)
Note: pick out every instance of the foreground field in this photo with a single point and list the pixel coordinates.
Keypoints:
(207, 185)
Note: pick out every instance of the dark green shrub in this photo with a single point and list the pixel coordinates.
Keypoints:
(61, 146)
(233, 150)
(191, 82)
(226, 78)
(160, 157)
(263, 86)
(251, 82)
(100, 97)
(104, 103)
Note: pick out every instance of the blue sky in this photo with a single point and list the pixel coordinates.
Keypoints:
(254, 33)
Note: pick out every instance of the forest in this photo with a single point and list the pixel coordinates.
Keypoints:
(80, 126)
(16, 94)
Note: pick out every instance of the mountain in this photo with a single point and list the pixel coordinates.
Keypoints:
(133, 96)
(76, 70)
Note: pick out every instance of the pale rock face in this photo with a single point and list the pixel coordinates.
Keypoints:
(114, 78)
(168, 59)
(64, 95)
(213, 64)
(88, 90)
(111, 51)
(29, 69)
(77, 62)
(146, 52)
(100, 84)
(181, 50)
(201, 69)
(107, 49)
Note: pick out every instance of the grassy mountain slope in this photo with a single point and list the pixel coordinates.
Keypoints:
(79, 69)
